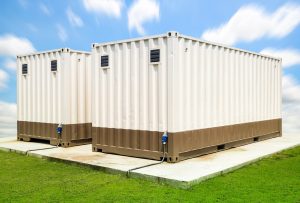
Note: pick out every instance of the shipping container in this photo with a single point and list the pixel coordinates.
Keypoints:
(54, 87)
(206, 96)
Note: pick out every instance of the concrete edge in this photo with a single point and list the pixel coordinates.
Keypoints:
(12, 150)
(160, 180)
(22, 151)
(152, 178)
(188, 184)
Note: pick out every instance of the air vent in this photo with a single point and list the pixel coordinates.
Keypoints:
(154, 55)
(54, 65)
(104, 61)
(24, 68)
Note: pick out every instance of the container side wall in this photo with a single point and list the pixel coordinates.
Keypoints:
(218, 86)
(76, 88)
(221, 97)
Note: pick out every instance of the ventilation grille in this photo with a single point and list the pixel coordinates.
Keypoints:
(154, 55)
(24, 69)
(54, 65)
(104, 61)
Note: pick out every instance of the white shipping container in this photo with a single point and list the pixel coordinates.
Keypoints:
(54, 87)
(205, 95)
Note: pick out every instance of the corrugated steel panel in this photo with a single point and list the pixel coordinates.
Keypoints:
(219, 86)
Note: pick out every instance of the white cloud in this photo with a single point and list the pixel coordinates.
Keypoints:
(8, 117)
(45, 9)
(62, 33)
(252, 22)
(291, 105)
(11, 45)
(10, 64)
(107, 7)
(74, 19)
(289, 57)
(3, 79)
(140, 12)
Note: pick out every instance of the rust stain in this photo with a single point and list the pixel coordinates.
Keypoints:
(207, 157)
(77, 158)
(86, 158)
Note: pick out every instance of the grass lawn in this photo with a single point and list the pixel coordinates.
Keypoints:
(30, 179)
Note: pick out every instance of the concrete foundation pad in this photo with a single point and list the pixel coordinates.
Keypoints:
(11, 144)
(183, 174)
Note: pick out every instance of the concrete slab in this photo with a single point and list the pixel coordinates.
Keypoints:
(183, 174)
(79, 154)
(193, 171)
(83, 154)
(11, 144)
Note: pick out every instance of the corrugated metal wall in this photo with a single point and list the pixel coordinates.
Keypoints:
(48, 97)
(77, 88)
(132, 92)
(216, 86)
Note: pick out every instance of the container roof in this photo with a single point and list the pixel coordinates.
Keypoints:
(177, 34)
(54, 50)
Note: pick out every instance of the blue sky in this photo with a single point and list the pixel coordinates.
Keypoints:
(271, 27)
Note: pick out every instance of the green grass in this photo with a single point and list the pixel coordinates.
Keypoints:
(30, 179)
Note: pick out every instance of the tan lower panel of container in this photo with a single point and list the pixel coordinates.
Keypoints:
(182, 145)
(72, 134)
(186, 144)
(136, 143)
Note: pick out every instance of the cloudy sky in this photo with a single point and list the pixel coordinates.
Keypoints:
(271, 27)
